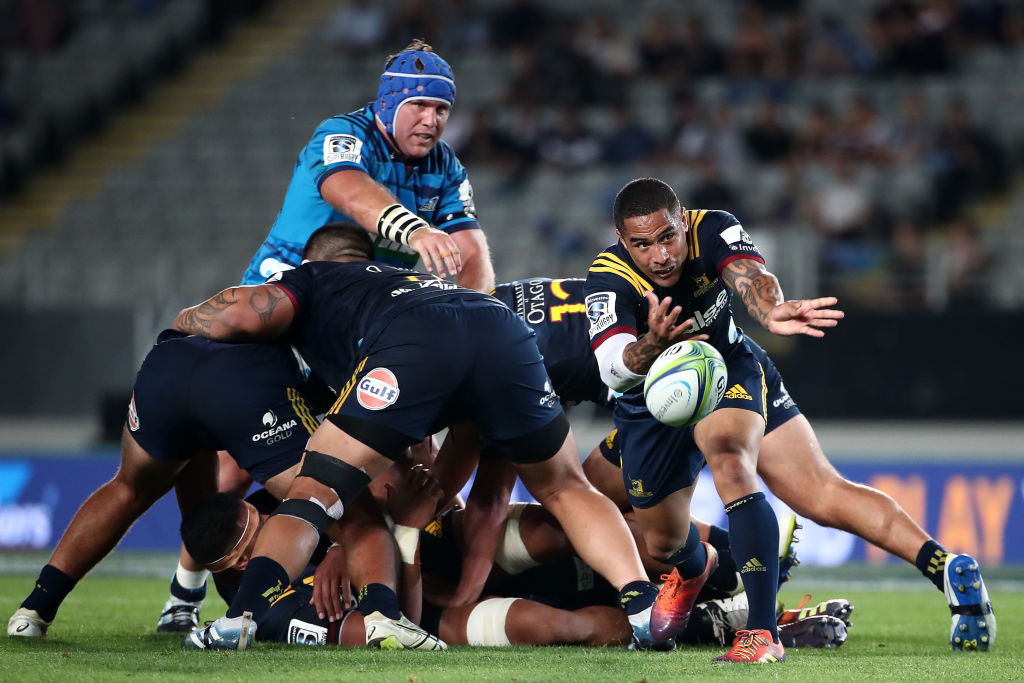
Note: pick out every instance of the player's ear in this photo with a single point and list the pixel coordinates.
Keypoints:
(683, 223)
(621, 238)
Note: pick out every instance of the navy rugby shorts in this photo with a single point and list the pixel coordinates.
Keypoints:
(195, 394)
(444, 363)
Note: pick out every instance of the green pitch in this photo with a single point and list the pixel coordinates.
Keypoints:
(105, 631)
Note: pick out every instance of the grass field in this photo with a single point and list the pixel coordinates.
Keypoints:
(105, 631)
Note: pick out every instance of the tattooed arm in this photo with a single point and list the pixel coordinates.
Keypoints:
(239, 314)
(662, 332)
(762, 296)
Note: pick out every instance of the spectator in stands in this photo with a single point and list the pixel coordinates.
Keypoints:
(967, 161)
(911, 134)
(699, 54)
(658, 50)
(414, 18)
(570, 145)
(712, 191)
(630, 141)
(969, 262)
(357, 28)
(519, 22)
(906, 267)
(767, 139)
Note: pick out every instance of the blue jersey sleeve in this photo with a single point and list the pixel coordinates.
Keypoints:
(456, 209)
(338, 144)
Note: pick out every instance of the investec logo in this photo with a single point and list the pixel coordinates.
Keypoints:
(277, 432)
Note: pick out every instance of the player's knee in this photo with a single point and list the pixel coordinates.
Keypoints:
(322, 489)
(663, 544)
(733, 468)
(486, 623)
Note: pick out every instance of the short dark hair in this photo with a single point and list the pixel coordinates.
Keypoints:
(641, 197)
(417, 45)
(209, 530)
(333, 240)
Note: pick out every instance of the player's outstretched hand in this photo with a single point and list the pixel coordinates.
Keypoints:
(332, 590)
(804, 316)
(412, 500)
(662, 330)
(438, 250)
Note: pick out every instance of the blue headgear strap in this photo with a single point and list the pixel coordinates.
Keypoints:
(413, 74)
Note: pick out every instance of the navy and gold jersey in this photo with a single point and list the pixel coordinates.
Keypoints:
(616, 287)
(193, 394)
(342, 306)
(436, 188)
(556, 312)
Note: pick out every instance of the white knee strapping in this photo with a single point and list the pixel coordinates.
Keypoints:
(486, 623)
(511, 554)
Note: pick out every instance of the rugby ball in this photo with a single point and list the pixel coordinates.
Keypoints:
(685, 383)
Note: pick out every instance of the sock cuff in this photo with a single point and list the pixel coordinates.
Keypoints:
(745, 500)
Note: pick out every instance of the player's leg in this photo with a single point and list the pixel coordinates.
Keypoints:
(596, 529)
(795, 468)
(95, 530)
(497, 622)
(730, 439)
(318, 496)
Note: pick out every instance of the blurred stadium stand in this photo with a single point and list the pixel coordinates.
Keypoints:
(147, 144)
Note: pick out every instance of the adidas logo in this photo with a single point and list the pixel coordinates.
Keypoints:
(753, 565)
(737, 391)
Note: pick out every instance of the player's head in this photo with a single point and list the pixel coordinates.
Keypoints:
(415, 96)
(340, 241)
(651, 225)
(221, 533)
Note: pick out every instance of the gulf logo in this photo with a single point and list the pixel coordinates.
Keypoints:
(133, 415)
(377, 390)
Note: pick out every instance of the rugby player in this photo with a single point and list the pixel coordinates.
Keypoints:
(791, 462)
(661, 270)
(386, 168)
(432, 346)
(191, 397)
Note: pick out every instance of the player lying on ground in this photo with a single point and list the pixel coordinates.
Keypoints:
(791, 462)
(432, 346)
(553, 599)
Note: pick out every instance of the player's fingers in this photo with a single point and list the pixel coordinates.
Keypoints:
(823, 322)
(335, 599)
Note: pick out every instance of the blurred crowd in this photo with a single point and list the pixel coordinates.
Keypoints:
(563, 68)
(830, 159)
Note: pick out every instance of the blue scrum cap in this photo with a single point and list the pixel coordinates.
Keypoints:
(413, 74)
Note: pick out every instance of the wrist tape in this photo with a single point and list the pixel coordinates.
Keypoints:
(397, 223)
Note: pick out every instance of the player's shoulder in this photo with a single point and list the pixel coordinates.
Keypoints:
(614, 269)
(707, 221)
(358, 122)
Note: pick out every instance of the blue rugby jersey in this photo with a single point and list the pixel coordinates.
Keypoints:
(435, 187)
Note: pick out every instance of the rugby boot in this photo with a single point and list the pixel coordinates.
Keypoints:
(179, 616)
(676, 598)
(236, 633)
(754, 647)
(837, 607)
(818, 631)
(787, 553)
(398, 634)
(642, 639)
(974, 622)
(26, 623)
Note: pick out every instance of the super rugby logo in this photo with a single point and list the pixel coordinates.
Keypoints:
(342, 148)
(601, 311)
(377, 390)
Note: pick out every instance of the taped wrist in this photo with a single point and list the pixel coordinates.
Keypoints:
(408, 540)
(397, 223)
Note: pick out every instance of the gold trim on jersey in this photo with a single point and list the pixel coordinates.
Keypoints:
(607, 262)
(693, 219)
(348, 387)
(557, 290)
(302, 410)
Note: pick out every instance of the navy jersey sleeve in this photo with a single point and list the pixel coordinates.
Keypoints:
(614, 298)
(297, 283)
(721, 239)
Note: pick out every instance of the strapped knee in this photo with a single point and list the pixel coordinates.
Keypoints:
(344, 481)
